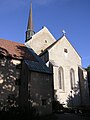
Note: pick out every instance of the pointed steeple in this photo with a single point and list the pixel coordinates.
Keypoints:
(30, 32)
(30, 24)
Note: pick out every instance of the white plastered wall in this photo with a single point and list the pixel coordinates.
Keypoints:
(68, 60)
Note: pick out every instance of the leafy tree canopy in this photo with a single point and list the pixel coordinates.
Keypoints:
(88, 68)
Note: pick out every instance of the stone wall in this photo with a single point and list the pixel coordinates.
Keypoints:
(9, 81)
(84, 90)
(41, 92)
(36, 91)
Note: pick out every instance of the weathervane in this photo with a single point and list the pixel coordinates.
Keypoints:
(64, 33)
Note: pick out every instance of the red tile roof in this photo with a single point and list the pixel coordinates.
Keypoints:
(15, 50)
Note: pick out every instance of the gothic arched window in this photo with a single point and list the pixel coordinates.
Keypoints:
(72, 78)
(61, 78)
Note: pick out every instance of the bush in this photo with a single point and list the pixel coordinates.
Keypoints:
(57, 107)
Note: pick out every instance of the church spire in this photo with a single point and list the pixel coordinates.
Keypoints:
(30, 24)
(29, 32)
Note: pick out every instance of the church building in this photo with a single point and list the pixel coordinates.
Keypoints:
(69, 78)
(41, 71)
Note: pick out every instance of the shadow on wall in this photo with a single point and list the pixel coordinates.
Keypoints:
(10, 75)
(74, 99)
(8, 81)
(24, 53)
(56, 105)
(9, 85)
(79, 96)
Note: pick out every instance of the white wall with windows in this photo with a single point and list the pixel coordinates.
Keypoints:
(65, 72)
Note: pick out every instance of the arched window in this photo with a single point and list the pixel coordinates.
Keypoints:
(72, 78)
(61, 78)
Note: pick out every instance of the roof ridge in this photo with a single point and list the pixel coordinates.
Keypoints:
(15, 50)
(11, 41)
(50, 46)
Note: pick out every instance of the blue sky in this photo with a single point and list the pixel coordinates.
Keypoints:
(71, 15)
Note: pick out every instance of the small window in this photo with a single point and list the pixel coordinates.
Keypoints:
(44, 102)
(45, 41)
(65, 50)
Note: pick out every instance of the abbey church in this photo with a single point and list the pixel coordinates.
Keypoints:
(41, 71)
(69, 78)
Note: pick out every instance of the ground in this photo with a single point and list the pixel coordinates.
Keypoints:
(61, 115)
(67, 116)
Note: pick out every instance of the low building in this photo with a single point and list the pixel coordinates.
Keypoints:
(24, 78)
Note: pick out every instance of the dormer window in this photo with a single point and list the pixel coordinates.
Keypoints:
(65, 50)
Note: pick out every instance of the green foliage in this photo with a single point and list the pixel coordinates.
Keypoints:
(57, 107)
(88, 69)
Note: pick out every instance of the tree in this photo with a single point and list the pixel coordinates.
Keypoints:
(88, 77)
(88, 68)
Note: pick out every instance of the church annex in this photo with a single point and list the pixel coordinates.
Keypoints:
(24, 78)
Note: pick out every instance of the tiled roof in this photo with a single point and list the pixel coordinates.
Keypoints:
(37, 66)
(54, 44)
(15, 50)
(20, 51)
